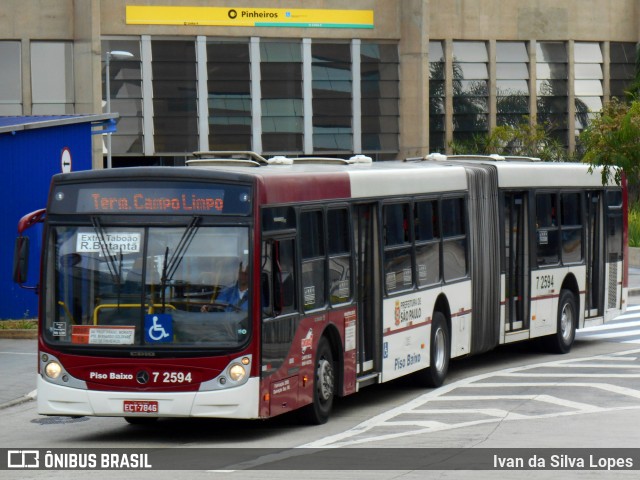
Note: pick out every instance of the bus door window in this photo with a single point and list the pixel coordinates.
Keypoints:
(594, 254)
(312, 249)
(547, 229)
(279, 302)
(516, 260)
(397, 247)
(339, 255)
(427, 234)
(278, 277)
(614, 246)
(369, 287)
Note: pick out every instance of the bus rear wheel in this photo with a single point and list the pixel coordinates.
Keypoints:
(440, 353)
(562, 340)
(324, 386)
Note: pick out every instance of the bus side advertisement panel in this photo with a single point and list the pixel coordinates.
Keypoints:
(406, 332)
(405, 352)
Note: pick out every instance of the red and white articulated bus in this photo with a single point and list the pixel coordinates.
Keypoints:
(247, 288)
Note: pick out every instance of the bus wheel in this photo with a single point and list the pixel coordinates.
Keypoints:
(324, 386)
(562, 340)
(440, 353)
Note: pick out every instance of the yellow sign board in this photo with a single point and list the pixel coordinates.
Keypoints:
(248, 17)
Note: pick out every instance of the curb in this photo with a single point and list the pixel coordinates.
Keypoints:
(31, 333)
(25, 398)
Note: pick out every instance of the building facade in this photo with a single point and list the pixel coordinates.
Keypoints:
(387, 78)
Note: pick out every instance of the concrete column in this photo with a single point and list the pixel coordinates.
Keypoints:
(414, 78)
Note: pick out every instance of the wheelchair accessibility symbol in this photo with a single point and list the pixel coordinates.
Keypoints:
(158, 328)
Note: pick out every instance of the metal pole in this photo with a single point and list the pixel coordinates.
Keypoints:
(108, 87)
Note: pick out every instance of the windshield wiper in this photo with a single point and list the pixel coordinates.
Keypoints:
(170, 265)
(114, 265)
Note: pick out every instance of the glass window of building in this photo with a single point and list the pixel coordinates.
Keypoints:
(332, 97)
(470, 90)
(52, 80)
(282, 96)
(175, 96)
(622, 66)
(437, 75)
(229, 94)
(125, 85)
(512, 83)
(588, 77)
(552, 89)
(10, 79)
(380, 98)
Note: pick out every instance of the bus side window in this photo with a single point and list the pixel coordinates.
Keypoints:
(427, 236)
(398, 272)
(339, 256)
(547, 228)
(454, 239)
(313, 259)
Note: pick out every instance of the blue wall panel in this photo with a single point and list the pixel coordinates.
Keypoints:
(29, 158)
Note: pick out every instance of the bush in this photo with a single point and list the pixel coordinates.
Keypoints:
(18, 324)
(634, 225)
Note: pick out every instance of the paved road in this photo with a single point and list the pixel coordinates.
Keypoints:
(18, 373)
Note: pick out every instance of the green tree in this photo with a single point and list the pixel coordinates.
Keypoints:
(612, 141)
(521, 139)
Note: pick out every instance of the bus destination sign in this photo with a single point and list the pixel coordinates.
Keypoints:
(145, 200)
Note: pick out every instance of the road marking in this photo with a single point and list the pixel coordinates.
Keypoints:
(18, 353)
(600, 336)
(364, 432)
(611, 326)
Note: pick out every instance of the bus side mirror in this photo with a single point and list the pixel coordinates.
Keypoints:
(21, 260)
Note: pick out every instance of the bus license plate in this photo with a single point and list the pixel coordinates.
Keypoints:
(140, 406)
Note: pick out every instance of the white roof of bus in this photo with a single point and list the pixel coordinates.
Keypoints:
(390, 178)
(393, 178)
(547, 174)
(401, 178)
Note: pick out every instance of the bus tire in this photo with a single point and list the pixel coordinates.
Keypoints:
(439, 352)
(562, 340)
(324, 386)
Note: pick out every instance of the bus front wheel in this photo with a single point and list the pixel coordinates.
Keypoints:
(439, 354)
(324, 386)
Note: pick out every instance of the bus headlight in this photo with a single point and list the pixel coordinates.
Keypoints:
(237, 372)
(53, 370)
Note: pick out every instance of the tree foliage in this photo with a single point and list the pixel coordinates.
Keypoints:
(612, 140)
(519, 140)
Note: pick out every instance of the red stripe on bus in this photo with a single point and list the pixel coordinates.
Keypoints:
(296, 188)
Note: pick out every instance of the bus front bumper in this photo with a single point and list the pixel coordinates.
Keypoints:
(240, 402)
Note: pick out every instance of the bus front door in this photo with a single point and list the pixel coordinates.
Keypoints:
(517, 262)
(369, 329)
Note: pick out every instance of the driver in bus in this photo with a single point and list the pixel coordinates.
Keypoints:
(235, 297)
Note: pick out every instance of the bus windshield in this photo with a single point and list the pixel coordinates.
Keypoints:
(149, 287)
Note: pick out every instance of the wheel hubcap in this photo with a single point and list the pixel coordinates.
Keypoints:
(566, 322)
(439, 349)
(325, 380)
